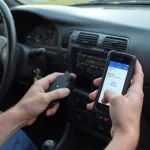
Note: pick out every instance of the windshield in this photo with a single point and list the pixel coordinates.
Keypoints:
(53, 2)
(69, 2)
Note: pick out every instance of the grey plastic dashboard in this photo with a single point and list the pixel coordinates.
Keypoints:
(130, 22)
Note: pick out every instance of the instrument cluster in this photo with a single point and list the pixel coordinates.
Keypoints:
(42, 35)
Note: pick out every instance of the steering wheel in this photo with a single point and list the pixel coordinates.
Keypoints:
(8, 51)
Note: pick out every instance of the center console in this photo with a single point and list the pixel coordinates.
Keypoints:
(87, 53)
(87, 64)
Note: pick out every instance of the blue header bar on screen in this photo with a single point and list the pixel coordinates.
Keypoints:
(118, 65)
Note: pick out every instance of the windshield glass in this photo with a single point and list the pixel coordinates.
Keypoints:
(53, 2)
(69, 2)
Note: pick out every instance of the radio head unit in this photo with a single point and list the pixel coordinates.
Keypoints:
(88, 64)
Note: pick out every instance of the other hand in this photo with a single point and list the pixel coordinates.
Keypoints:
(36, 100)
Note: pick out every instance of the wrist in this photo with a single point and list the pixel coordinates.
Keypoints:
(130, 137)
(124, 140)
(18, 117)
(127, 131)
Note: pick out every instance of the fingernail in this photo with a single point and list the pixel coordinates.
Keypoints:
(66, 91)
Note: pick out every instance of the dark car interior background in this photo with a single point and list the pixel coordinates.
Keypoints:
(77, 38)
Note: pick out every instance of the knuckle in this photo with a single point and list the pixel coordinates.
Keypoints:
(117, 99)
(113, 100)
(56, 73)
(141, 75)
(141, 94)
(43, 98)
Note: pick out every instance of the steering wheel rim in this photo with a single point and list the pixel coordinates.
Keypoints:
(8, 50)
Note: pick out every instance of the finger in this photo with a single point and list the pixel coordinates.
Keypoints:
(73, 75)
(90, 106)
(97, 81)
(108, 96)
(137, 81)
(46, 81)
(31, 121)
(52, 111)
(138, 75)
(56, 94)
(93, 95)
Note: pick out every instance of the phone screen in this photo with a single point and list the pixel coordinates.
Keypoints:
(115, 78)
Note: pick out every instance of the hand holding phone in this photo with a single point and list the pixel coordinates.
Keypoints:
(117, 76)
(125, 110)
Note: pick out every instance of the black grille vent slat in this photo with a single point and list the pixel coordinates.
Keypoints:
(108, 42)
(87, 39)
(66, 39)
(110, 46)
(111, 43)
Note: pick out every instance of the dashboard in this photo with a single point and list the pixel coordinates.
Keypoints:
(78, 39)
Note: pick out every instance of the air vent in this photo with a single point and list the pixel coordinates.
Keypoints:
(87, 39)
(111, 43)
(66, 39)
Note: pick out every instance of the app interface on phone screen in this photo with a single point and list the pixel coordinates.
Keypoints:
(115, 78)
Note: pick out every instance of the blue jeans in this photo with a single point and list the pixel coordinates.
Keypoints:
(19, 141)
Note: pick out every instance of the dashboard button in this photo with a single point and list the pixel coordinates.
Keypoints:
(102, 69)
(106, 119)
(89, 122)
(78, 118)
(95, 67)
(92, 66)
(99, 117)
(100, 127)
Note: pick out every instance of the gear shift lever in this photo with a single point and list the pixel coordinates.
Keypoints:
(49, 145)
